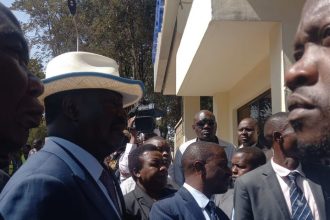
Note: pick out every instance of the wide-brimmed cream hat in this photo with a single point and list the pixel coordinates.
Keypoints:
(83, 70)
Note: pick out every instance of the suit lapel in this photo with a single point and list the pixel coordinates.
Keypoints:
(85, 182)
(144, 200)
(96, 197)
(271, 182)
(191, 204)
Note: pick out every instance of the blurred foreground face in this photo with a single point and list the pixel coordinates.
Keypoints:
(20, 109)
(309, 80)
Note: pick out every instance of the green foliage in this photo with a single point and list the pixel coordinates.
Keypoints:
(36, 68)
(120, 29)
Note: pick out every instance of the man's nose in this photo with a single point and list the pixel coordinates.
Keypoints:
(234, 169)
(35, 87)
(304, 72)
(163, 168)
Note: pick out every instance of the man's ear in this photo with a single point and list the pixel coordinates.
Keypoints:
(199, 167)
(277, 136)
(136, 173)
(70, 108)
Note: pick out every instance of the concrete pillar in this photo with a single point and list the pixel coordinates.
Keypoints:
(277, 69)
(191, 105)
(222, 115)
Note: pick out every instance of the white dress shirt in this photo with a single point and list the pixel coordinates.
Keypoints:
(281, 174)
(200, 198)
(123, 162)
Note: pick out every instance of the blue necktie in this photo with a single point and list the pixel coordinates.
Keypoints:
(210, 208)
(299, 205)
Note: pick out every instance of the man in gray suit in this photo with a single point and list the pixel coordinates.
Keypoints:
(270, 191)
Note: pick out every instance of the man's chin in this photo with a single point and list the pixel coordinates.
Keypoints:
(315, 152)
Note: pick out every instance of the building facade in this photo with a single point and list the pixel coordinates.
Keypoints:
(235, 51)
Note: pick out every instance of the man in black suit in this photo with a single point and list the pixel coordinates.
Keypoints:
(149, 169)
(206, 173)
(270, 191)
(19, 88)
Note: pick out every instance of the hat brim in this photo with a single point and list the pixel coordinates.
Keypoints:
(131, 90)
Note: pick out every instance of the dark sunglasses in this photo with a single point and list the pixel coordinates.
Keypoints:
(203, 122)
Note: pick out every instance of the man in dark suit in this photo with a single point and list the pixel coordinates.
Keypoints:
(271, 191)
(206, 173)
(205, 127)
(84, 98)
(149, 169)
(19, 88)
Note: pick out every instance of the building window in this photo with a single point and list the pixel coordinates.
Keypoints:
(260, 109)
(206, 103)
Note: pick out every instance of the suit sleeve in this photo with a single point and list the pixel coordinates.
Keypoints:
(35, 198)
(178, 173)
(242, 203)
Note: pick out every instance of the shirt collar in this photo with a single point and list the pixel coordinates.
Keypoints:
(253, 145)
(85, 158)
(283, 172)
(199, 197)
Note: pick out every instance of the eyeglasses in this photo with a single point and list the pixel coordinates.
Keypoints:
(203, 122)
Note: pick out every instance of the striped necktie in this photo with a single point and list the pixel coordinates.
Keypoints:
(210, 209)
(299, 205)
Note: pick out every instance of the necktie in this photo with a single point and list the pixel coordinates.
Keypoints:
(107, 181)
(210, 208)
(299, 205)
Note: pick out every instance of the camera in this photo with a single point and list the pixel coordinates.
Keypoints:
(145, 116)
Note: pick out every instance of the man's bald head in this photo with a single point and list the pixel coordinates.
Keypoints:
(205, 126)
(200, 151)
(276, 122)
(205, 168)
(203, 112)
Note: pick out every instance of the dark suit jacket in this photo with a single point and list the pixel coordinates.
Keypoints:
(138, 203)
(258, 194)
(47, 187)
(180, 206)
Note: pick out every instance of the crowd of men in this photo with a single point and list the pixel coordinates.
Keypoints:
(83, 98)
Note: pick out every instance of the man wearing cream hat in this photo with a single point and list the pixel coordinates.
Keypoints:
(84, 99)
